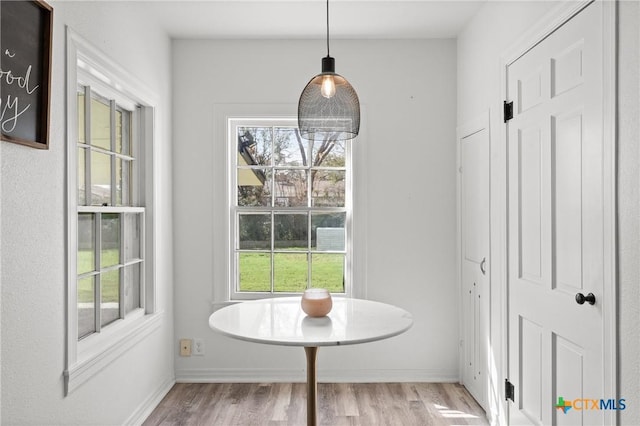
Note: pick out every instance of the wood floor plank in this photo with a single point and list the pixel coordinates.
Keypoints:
(346, 403)
(297, 411)
(339, 404)
(282, 402)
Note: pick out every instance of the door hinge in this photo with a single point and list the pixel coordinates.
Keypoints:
(509, 391)
(508, 111)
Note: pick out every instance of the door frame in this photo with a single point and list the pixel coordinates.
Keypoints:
(545, 26)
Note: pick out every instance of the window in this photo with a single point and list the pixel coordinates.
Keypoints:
(290, 210)
(110, 203)
(110, 221)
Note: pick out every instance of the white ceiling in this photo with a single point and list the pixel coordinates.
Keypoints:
(303, 19)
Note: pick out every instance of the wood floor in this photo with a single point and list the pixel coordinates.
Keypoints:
(403, 404)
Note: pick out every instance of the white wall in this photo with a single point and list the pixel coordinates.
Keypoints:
(629, 208)
(489, 34)
(33, 243)
(407, 89)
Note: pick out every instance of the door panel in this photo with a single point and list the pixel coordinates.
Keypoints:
(530, 370)
(475, 181)
(567, 148)
(566, 69)
(555, 223)
(530, 90)
(530, 204)
(568, 378)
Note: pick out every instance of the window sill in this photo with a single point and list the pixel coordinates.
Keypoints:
(98, 351)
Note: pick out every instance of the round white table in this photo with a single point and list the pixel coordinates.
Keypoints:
(281, 321)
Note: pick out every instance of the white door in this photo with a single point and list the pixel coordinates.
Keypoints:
(556, 224)
(473, 146)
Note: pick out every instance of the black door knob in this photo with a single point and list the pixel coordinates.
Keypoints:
(589, 298)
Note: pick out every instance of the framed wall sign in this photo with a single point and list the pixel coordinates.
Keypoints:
(25, 72)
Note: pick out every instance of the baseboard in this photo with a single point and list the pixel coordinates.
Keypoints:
(146, 408)
(239, 375)
(388, 376)
(230, 375)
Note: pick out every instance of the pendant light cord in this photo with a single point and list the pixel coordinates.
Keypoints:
(328, 29)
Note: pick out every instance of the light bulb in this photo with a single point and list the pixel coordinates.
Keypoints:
(328, 88)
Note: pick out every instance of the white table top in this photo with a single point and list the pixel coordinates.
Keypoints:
(281, 321)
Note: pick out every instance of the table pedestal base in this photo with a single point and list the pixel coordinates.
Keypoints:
(312, 385)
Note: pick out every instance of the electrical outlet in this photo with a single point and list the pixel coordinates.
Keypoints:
(185, 347)
(198, 347)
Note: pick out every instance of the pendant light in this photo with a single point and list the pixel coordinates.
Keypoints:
(328, 108)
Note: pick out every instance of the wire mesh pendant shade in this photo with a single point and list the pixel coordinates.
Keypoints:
(328, 108)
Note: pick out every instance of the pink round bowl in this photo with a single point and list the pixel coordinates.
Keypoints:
(316, 302)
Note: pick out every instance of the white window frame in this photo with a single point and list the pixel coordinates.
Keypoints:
(222, 177)
(233, 123)
(87, 83)
(88, 66)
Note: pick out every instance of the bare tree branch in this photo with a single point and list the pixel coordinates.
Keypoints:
(303, 152)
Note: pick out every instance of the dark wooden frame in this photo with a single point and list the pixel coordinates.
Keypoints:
(38, 27)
